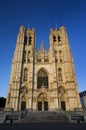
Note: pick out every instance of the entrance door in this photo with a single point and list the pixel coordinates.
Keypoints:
(63, 105)
(23, 105)
(39, 106)
(45, 106)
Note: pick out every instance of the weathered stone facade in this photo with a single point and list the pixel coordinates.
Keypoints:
(43, 80)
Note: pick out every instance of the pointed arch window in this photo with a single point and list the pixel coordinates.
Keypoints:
(60, 51)
(59, 39)
(54, 38)
(42, 79)
(24, 56)
(60, 74)
(25, 79)
(30, 40)
(28, 56)
(55, 53)
(60, 54)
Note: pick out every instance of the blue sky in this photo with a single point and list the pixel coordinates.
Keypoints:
(42, 15)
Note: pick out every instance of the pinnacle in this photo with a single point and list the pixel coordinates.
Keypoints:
(42, 45)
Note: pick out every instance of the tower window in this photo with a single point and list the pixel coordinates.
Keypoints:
(55, 52)
(25, 75)
(42, 79)
(60, 60)
(30, 40)
(60, 54)
(24, 56)
(56, 60)
(59, 39)
(54, 38)
(60, 74)
(28, 60)
(28, 56)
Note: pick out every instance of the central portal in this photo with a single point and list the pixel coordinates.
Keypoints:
(42, 103)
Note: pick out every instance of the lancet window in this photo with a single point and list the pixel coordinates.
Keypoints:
(59, 39)
(42, 79)
(54, 38)
(60, 74)
(24, 56)
(30, 40)
(25, 79)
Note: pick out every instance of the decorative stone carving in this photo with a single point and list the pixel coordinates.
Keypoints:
(50, 61)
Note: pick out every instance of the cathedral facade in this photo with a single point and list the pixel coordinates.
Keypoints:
(41, 80)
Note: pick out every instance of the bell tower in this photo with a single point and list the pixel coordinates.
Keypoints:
(63, 69)
(23, 55)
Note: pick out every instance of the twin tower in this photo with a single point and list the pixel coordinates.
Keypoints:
(41, 80)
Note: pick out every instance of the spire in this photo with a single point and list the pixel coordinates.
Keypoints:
(42, 45)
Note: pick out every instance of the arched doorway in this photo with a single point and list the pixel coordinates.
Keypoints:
(23, 105)
(23, 102)
(42, 104)
(63, 105)
(62, 97)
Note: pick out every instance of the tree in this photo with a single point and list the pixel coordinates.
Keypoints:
(2, 102)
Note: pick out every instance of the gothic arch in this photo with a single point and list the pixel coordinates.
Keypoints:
(54, 38)
(23, 101)
(44, 70)
(42, 78)
(25, 76)
(60, 74)
(42, 93)
(42, 101)
(30, 40)
(59, 38)
(62, 97)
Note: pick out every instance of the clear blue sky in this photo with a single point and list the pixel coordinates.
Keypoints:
(42, 15)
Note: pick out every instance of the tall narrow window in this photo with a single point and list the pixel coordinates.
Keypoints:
(30, 40)
(25, 39)
(24, 56)
(42, 79)
(60, 60)
(55, 53)
(60, 54)
(59, 39)
(60, 74)
(25, 75)
(54, 38)
(28, 57)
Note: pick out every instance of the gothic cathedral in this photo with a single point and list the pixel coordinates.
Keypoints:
(41, 80)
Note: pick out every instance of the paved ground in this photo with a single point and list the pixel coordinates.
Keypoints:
(43, 126)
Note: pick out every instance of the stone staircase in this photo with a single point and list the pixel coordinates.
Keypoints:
(5, 113)
(44, 116)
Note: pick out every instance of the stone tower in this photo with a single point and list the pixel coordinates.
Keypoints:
(43, 80)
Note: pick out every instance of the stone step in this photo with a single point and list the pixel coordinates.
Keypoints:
(3, 115)
(44, 117)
